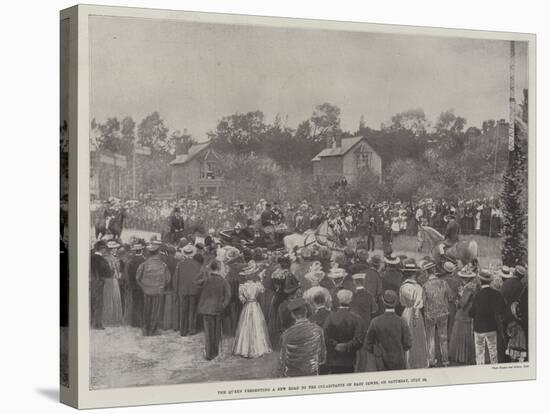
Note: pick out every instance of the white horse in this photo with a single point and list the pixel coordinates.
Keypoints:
(323, 235)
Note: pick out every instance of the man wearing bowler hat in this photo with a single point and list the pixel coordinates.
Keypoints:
(214, 298)
(344, 333)
(186, 275)
(389, 337)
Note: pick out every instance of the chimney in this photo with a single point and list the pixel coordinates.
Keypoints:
(338, 141)
(183, 143)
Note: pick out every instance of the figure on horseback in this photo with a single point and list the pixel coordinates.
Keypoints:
(112, 221)
(452, 230)
(465, 251)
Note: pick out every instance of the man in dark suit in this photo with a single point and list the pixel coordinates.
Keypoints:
(344, 333)
(451, 233)
(215, 297)
(176, 225)
(99, 271)
(371, 233)
(362, 303)
(321, 312)
(134, 290)
(389, 337)
(186, 275)
(487, 311)
(153, 276)
(512, 285)
(373, 282)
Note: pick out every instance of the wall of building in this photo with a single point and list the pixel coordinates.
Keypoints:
(350, 163)
(185, 176)
(331, 166)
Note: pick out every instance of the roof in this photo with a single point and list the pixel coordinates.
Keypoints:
(347, 144)
(193, 151)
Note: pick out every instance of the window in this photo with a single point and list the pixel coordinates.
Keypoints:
(209, 170)
(364, 159)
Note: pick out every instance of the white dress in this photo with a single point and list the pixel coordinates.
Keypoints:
(251, 338)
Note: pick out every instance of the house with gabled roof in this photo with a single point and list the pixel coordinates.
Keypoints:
(196, 169)
(346, 158)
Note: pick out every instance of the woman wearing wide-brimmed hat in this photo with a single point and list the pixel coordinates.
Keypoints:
(112, 301)
(251, 338)
(461, 343)
(278, 280)
(411, 299)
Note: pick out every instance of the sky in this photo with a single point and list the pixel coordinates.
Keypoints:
(194, 74)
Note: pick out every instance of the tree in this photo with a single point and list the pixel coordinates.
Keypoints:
(413, 120)
(325, 123)
(239, 133)
(153, 133)
(404, 178)
(107, 134)
(514, 196)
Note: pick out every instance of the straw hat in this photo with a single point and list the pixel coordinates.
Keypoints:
(111, 244)
(485, 275)
(409, 265)
(505, 272)
(188, 250)
(520, 271)
(315, 277)
(337, 273)
(466, 273)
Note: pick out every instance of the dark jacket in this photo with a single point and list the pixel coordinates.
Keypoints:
(153, 275)
(373, 283)
(487, 310)
(363, 305)
(99, 268)
(451, 232)
(511, 290)
(215, 295)
(343, 327)
(320, 317)
(176, 224)
(131, 271)
(172, 263)
(388, 338)
(186, 275)
(392, 280)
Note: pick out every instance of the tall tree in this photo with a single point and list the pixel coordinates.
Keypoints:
(107, 134)
(325, 123)
(514, 196)
(240, 133)
(153, 133)
(413, 120)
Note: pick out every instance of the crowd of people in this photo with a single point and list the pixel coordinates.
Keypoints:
(478, 216)
(324, 313)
